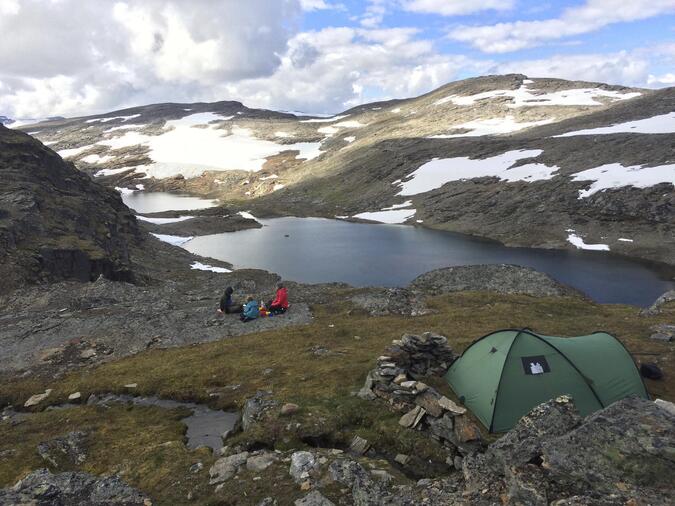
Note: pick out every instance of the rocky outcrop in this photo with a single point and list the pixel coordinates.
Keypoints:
(618, 454)
(658, 303)
(500, 278)
(74, 489)
(55, 222)
(391, 301)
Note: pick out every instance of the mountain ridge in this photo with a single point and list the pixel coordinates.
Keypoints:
(356, 163)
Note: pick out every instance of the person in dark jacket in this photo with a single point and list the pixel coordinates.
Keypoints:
(251, 310)
(227, 305)
(280, 303)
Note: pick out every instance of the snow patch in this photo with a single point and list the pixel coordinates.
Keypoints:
(176, 240)
(388, 216)
(105, 120)
(163, 221)
(273, 176)
(124, 191)
(349, 138)
(615, 175)
(438, 172)
(661, 124)
(182, 149)
(96, 159)
(623, 239)
(523, 96)
(111, 172)
(577, 241)
(204, 267)
(247, 215)
(69, 153)
(407, 203)
(492, 126)
(395, 111)
(282, 135)
(324, 120)
(278, 187)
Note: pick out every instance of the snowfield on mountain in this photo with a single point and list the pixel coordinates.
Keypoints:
(560, 155)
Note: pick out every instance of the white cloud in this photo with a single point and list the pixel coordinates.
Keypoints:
(316, 5)
(593, 15)
(119, 53)
(349, 66)
(663, 80)
(455, 7)
(622, 67)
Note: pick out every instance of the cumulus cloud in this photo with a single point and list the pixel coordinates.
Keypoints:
(455, 7)
(591, 16)
(622, 67)
(101, 52)
(351, 65)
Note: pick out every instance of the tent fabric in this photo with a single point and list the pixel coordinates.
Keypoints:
(503, 375)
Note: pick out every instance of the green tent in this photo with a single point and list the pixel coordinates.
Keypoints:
(503, 375)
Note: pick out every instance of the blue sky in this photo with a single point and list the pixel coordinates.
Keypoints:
(70, 57)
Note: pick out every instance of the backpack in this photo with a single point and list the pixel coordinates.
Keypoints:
(651, 371)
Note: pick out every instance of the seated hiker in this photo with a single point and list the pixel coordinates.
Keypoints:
(227, 305)
(280, 303)
(250, 310)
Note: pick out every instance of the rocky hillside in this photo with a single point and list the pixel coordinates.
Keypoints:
(532, 162)
(55, 222)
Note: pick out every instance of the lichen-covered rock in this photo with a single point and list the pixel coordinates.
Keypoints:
(391, 301)
(500, 278)
(303, 466)
(655, 308)
(68, 450)
(621, 453)
(73, 489)
(226, 467)
(255, 407)
(314, 498)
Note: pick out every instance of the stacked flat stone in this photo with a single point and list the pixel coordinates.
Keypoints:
(396, 379)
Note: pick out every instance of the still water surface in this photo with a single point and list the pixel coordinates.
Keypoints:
(317, 250)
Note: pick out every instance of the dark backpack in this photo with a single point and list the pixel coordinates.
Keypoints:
(651, 371)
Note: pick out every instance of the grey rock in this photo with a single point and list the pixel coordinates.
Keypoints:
(408, 420)
(43, 488)
(303, 466)
(268, 501)
(359, 446)
(391, 301)
(655, 308)
(663, 332)
(289, 408)
(226, 467)
(68, 450)
(668, 406)
(314, 498)
(258, 463)
(33, 400)
(255, 407)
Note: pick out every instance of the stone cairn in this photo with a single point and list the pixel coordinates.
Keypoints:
(397, 380)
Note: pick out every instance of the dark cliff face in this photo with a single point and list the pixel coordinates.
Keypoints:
(55, 222)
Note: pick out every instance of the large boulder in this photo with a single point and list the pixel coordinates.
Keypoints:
(621, 453)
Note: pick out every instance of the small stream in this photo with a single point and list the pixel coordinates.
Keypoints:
(205, 426)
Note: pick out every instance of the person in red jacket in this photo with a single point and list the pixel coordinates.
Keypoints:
(280, 303)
